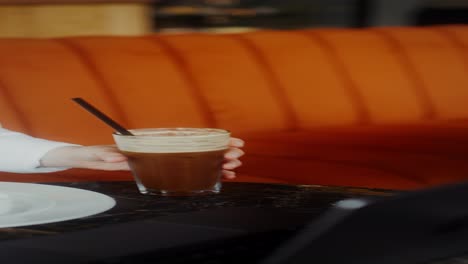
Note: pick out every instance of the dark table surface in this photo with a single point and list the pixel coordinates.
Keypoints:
(132, 206)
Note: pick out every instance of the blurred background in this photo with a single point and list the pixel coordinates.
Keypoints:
(55, 18)
(281, 14)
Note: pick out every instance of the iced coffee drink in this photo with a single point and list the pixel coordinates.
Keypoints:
(175, 161)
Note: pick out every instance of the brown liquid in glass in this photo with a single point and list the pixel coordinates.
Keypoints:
(177, 172)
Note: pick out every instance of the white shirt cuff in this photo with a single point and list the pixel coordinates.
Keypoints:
(21, 153)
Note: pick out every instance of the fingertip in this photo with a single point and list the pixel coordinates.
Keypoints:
(236, 142)
(234, 153)
(232, 164)
(229, 174)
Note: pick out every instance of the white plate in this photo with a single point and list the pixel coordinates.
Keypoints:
(24, 204)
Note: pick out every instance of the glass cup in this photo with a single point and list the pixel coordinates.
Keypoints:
(175, 161)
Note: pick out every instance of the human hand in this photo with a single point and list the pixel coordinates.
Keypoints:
(231, 158)
(105, 157)
(109, 158)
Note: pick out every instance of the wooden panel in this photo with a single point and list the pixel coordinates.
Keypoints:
(32, 2)
(75, 20)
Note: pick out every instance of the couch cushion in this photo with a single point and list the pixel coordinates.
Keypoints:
(395, 157)
(257, 84)
(439, 66)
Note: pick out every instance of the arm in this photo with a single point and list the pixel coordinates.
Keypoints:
(110, 158)
(21, 153)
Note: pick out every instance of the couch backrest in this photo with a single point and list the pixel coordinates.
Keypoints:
(257, 81)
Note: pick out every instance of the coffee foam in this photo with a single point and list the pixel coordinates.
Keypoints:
(173, 140)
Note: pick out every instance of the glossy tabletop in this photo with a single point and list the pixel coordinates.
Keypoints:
(132, 206)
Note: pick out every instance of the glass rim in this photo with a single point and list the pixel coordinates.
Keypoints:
(219, 131)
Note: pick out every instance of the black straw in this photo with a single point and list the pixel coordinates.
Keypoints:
(93, 110)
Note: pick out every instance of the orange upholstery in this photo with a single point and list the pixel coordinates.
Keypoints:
(380, 107)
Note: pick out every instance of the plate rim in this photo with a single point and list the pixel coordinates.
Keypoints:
(106, 203)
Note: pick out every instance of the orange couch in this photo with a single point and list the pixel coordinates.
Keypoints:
(380, 107)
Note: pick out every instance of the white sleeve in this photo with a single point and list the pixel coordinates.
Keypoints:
(21, 153)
